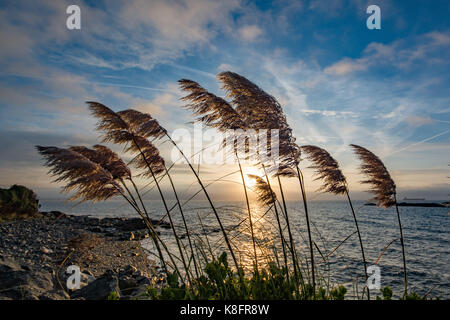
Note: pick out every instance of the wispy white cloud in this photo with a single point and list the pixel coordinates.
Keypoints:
(418, 120)
(135, 34)
(250, 33)
(155, 32)
(347, 66)
(164, 103)
(225, 67)
(399, 54)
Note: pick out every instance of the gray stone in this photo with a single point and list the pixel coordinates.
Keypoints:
(21, 284)
(127, 285)
(99, 289)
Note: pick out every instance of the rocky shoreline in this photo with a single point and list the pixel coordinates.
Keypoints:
(35, 254)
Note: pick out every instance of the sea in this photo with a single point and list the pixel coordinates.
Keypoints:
(337, 251)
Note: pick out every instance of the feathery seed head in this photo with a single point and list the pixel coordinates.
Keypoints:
(378, 177)
(263, 190)
(327, 169)
(212, 110)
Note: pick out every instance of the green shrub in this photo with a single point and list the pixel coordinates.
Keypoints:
(113, 296)
(17, 202)
(413, 296)
(220, 282)
(338, 293)
(387, 293)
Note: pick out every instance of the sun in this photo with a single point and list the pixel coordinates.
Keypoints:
(249, 182)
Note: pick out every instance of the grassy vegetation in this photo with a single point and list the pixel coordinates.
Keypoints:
(220, 282)
(194, 270)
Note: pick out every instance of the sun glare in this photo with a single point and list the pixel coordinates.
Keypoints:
(250, 183)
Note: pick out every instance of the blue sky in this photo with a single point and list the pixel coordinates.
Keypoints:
(338, 81)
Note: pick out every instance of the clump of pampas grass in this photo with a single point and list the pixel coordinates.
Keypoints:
(384, 189)
(333, 181)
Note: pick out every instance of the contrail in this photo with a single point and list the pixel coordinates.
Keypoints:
(417, 143)
(124, 86)
(204, 73)
(441, 121)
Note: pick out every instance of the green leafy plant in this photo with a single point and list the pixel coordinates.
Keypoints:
(220, 282)
(114, 296)
(387, 293)
(413, 296)
(338, 293)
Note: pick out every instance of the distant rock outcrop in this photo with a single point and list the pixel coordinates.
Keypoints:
(416, 204)
(17, 202)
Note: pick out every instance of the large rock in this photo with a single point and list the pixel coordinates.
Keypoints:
(99, 289)
(22, 283)
(131, 224)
